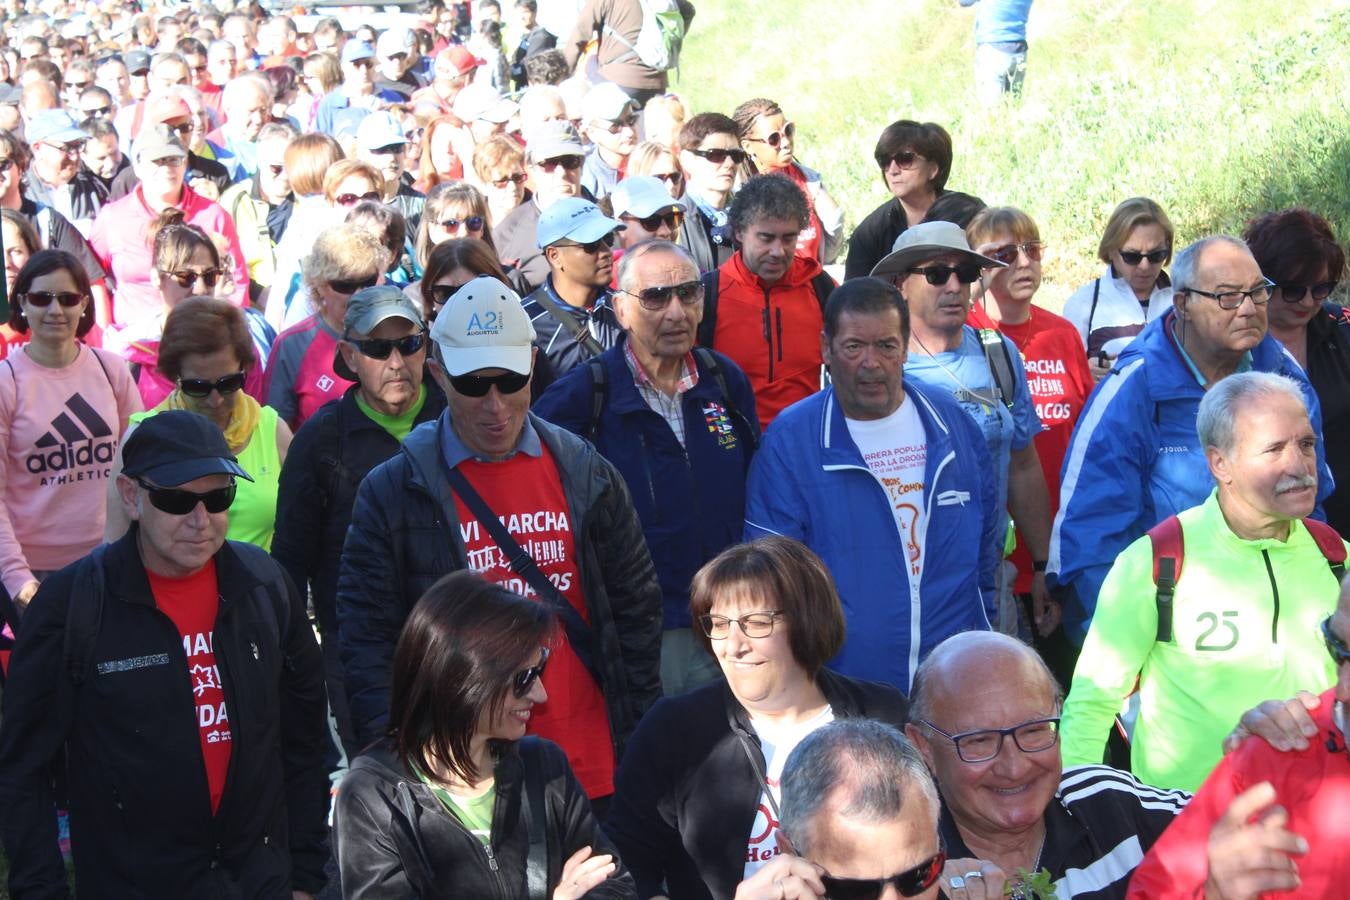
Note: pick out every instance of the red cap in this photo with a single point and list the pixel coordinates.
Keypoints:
(164, 108)
(463, 61)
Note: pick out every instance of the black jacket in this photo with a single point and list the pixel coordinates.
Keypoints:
(394, 837)
(1329, 372)
(685, 795)
(872, 240)
(556, 344)
(330, 454)
(711, 246)
(140, 806)
(405, 535)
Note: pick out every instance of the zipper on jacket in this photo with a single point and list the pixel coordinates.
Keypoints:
(647, 469)
(1275, 593)
(768, 333)
(778, 318)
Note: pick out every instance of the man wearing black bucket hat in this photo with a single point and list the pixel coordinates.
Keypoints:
(178, 673)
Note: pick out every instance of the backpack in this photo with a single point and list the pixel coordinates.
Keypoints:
(1169, 552)
(822, 284)
(659, 40)
(1000, 364)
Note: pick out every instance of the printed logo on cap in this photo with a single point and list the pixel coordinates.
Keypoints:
(488, 323)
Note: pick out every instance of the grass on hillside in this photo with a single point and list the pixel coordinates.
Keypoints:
(1216, 110)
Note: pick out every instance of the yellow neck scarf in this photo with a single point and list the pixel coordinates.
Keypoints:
(243, 418)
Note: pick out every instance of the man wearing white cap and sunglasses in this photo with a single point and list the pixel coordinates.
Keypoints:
(643, 204)
(492, 488)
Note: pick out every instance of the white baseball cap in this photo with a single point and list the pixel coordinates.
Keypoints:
(481, 101)
(484, 326)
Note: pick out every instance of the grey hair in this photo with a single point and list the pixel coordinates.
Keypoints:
(921, 691)
(628, 262)
(273, 131)
(873, 764)
(1221, 403)
(244, 81)
(1186, 262)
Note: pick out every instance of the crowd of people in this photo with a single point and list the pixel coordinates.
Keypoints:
(471, 438)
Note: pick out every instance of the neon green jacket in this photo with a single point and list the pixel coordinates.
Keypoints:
(1244, 629)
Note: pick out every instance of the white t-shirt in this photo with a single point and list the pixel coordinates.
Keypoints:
(896, 450)
(777, 742)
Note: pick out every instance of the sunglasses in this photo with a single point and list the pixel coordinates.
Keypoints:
(672, 220)
(1134, 257)
(77, 85)
(187, 278)
(669, 177)
(905, 159)
(414, 134)
(773, 139)
(479, 385)
(352, 285)
(473, 223)
(594, 247)
(620, 124)
(274, 169)
(909, 883)
(656, 299)
(72, 149)
(966, 273)
(202, 387)
(6, 165)
(362, 63)
(380, 348)
(523, 681)
(353, 199)
(181, 130)
(569, 163)
(43, 299)
(1007, 254)
(1340, 653)
(1293, 293)
(441, 294)
(719, 156)
(518, 178)
(99, 112)
(178, 502)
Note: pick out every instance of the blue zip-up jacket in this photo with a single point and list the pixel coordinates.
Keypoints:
(1136, 459)
(690, 499)
(809, 482)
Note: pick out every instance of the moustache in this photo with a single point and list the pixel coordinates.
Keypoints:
(1295, 482)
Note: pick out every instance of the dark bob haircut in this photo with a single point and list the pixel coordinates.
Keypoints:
(1295, 247)
(461, 645)
(782, 574)
(865, 296)
(45, 262)
(457, 253)
(928, 139)
(770, 197)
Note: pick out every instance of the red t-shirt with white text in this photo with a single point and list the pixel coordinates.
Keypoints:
(192, 603)
(526, 493)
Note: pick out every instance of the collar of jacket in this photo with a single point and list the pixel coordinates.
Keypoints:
(837, 448)
(624, 398)
(843, 702)
(351, 419)
(800, 271)
(1169, 378)
(125, 576)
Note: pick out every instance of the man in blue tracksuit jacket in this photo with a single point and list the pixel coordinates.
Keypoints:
(811, 482)
(1135, 459)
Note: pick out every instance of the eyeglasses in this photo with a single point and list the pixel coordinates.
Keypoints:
(1259, 295)
(72, 149)
(187, 278)
(352, 285)
(966, 273)
(43, 299)
(178, 502)
(6, 165)
(752, 625)
(181, 130)
(479, 385)
(669, 177)
(77, 85)
(1134, 257)
(905, 159)
(362, 63)
(594, 247)
(98, 112)
(775, 138)
(472, 223)
(523, 681)
(353, 199)
(672, 219)
(1007, 254)
(518, 178)
(618, 125)
(202, 387)
(381, 348)
(985, 744)
(569, 163)
(1340, 653)
(1294, 293)
(414, 134)
(656, 299)
(170, 162)
(717, 156)
(909, 883)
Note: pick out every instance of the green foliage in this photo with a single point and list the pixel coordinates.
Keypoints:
(1026, 886)
(1218, 111)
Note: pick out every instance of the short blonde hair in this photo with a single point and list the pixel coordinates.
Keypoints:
(994, 219)
(1128, 216)
(344, 251)
(496, 153)
(343, 169)
(308, 159)
(647, 155)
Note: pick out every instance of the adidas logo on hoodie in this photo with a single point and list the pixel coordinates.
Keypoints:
(79, 445)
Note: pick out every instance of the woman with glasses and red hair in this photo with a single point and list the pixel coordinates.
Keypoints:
(456, 802)
(1298, 251)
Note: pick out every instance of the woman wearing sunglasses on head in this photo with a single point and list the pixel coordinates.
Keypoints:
(457, 211)
(1297, 250)
(205, 352)
(453, 803)
(63, 407)
(696, 796)
(1109, 311)
(767, 138)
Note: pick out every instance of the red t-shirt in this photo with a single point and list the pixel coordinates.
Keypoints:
(527, 494)
(192, 603)
(1059, 381)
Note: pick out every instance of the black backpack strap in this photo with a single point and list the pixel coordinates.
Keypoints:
(1169, 552)
(706, 358)
(84, 615)
(569, 322)
(599, 395)
(823, 285)
(1092, 311)
(707, 327)
(1000, 364)
(536, 822)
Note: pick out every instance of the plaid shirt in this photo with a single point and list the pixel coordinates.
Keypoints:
(669, 407)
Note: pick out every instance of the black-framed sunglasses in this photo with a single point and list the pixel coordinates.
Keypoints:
(350, 286)
(669, 177)
(1007, 254)
(187, 278)
(985, 744)
(380, 348)
(353, 199)
(1340, 652)
(903, 159)
(719, 155)
(43, 299)
(6, 165)
(472, 223)
(909, 883)
(592, 247)
(569, 163)
(202, 387)
(479, 385)
(655, 299)
(98, 112)
(178, 502)
(517, 178)
(616, 125)
(1293, 293)
(672, 219)
(523, 681)
(775, 138)
(441, 294)
(966, 273)
(1135, 257)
